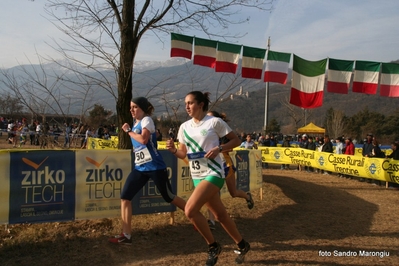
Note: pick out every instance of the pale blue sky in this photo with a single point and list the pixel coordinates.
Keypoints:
(312, 29)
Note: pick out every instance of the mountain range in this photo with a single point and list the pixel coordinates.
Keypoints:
(243, 100)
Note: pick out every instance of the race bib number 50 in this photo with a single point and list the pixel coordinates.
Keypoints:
(142, 156)
(198, 163)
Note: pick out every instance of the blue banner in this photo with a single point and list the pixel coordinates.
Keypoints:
(42, 187)
(243, 172)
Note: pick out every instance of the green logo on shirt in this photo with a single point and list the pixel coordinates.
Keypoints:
(204, 132)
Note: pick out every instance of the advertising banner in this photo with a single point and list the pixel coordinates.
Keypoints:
(243, 169)
(185, 184)
(100, 176)
(5, 186)
(42, 187)
(102, 144)
(255, 164)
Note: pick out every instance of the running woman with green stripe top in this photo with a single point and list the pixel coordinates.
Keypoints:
(199, 141)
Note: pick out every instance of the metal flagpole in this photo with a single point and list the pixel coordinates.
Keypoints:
(267, 92)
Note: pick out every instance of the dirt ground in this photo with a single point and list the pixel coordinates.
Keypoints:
(302, 219)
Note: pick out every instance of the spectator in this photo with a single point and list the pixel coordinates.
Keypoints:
(327, 147)
(349, 149)
(339, 146)
(261, 140)
(38, 133)
(349, 146)
(304, 145)
(10, 132)
(24, 131)
(89, 134)
(311, 146)
(32, 130)
(367, 147)
(273, 142)
(249, 143)
(43, 139)
(106, 133)
(68, 131)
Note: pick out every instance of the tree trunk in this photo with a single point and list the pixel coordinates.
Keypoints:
(127, 53)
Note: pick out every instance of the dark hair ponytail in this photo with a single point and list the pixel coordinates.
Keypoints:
(201, 97)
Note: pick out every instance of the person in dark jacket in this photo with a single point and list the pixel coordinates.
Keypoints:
(368, 145)
(327, 147)
(367, 148)
(304, 145)
(311, 146)
(395, 151)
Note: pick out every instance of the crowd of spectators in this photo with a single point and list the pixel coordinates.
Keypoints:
(340, 145)
(19, 133)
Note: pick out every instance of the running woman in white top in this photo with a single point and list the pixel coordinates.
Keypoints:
(148, 164)
(199, 141)
(229, 172)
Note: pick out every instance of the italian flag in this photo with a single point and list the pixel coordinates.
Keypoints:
(205, 52)
(365, 79)
(252, 62)
(389, 84)
(181, 46)
(339, 75)
(308, 82)
(227, 57)
(277, 67)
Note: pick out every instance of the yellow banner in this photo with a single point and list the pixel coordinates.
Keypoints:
(354, 165)
(5, 187)
(99, 181)
(102, 144)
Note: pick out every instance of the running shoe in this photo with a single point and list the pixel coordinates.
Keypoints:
(213, 254)
(211, 225)
(120, 239)
(250, 201)
(241, 253)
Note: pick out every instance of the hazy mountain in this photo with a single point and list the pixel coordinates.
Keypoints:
(167, 83)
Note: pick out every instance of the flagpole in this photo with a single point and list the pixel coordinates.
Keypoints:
(266, 93)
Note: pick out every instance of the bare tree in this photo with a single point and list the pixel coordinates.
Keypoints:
(292, 111)
(335, 123)
(43, 90)
(109, 32)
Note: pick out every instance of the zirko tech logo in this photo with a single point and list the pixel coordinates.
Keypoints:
(103, 181)
(42, 186)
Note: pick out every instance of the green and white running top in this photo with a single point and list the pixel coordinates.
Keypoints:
(199, 138)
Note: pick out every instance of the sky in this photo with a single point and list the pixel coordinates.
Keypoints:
(312, 29)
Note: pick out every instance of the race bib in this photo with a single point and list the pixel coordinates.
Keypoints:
(198, 163)
(142, 155)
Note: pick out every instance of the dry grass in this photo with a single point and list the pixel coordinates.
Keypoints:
(300, 215)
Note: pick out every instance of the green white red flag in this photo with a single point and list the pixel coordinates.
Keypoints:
(389, 84)
(365, 78)
(227, 57)
(252, 62)
(308, 82)
(277, 67)
(339, 75)
(205, 52)
(181, 46)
